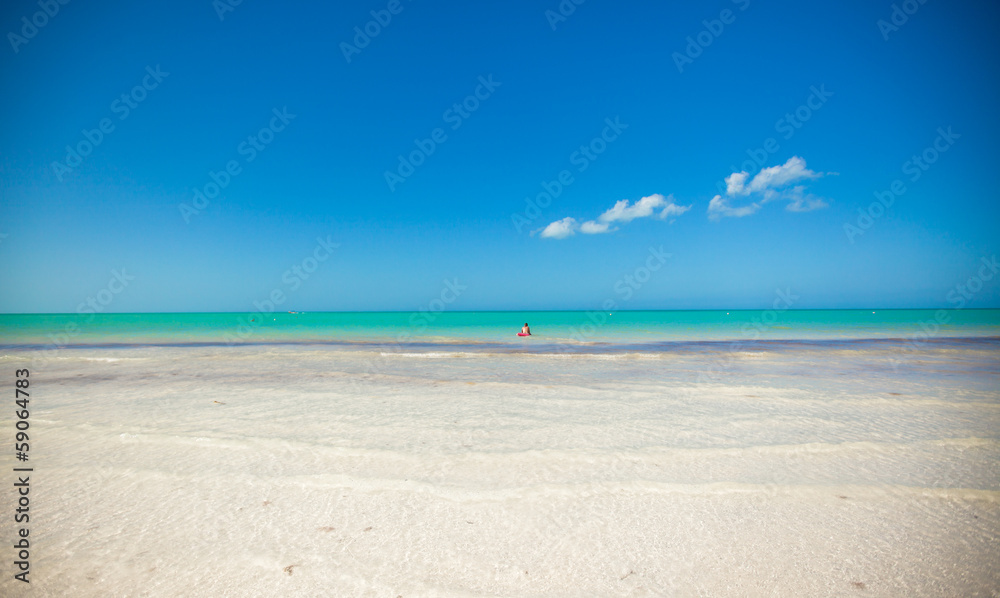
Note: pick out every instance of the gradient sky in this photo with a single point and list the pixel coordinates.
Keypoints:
(324, 173)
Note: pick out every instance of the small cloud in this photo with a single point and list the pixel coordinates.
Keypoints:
(774, 177)
(560, 229)
(655, 205)
(719, 207)
(770, 184)
(645, 207)
(735, 183)
(800, 201)
(595, 228)
(673, 210)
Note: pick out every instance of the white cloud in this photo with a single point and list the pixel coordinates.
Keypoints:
(774, 177)
(645, 207)
(719, 207)
(735, 183)
(770, 184)
(673, 210)
(595, 228)
(652, 205)
(800, 201)
(560, 229)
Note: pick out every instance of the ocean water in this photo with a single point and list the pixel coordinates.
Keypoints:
(500, 328)
(797, 453)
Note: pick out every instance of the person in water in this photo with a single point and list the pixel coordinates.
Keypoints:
(526, 330)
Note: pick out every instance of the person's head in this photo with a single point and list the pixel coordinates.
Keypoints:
(525, 323)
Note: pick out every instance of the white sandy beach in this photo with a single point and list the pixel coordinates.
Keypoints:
(266, 471)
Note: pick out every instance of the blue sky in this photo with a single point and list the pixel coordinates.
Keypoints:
(551, 86)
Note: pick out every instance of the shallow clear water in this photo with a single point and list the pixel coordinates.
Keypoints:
(841, 456)
(563, 327)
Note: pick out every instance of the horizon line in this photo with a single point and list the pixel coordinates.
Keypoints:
(458, 311)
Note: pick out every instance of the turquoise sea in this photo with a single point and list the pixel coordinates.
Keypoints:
(587, 330)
